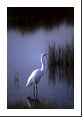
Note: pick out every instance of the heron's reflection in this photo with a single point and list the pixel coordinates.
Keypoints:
(32, 103)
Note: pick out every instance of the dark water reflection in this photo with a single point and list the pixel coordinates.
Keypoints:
(56, 88)
(61, 73)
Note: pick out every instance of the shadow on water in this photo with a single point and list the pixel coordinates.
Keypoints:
(32, 104)
(37, 104)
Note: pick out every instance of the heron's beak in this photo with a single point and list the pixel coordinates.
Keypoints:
(45, 54)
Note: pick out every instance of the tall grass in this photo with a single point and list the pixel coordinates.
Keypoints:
(61, 58)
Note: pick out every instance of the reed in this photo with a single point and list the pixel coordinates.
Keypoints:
(61, 59)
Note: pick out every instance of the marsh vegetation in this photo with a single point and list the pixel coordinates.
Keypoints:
(61, 60)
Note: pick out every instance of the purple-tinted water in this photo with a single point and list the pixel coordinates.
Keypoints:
(23, 55)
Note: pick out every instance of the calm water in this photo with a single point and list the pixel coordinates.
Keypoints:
(24, 51)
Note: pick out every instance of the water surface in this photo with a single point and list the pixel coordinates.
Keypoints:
(24, 51)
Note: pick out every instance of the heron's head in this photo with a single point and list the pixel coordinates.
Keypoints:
(44, 54)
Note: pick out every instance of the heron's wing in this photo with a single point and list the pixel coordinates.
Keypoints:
(34, 77)
(37, 75)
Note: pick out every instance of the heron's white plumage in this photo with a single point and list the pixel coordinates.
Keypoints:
(36, 75)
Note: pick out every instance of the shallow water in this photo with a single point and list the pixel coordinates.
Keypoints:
(24, 51)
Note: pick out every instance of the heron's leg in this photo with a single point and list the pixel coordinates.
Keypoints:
(36, 91)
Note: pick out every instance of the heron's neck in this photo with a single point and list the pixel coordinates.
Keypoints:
(42, 66)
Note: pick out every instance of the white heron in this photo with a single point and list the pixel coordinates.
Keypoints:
(36, 75)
